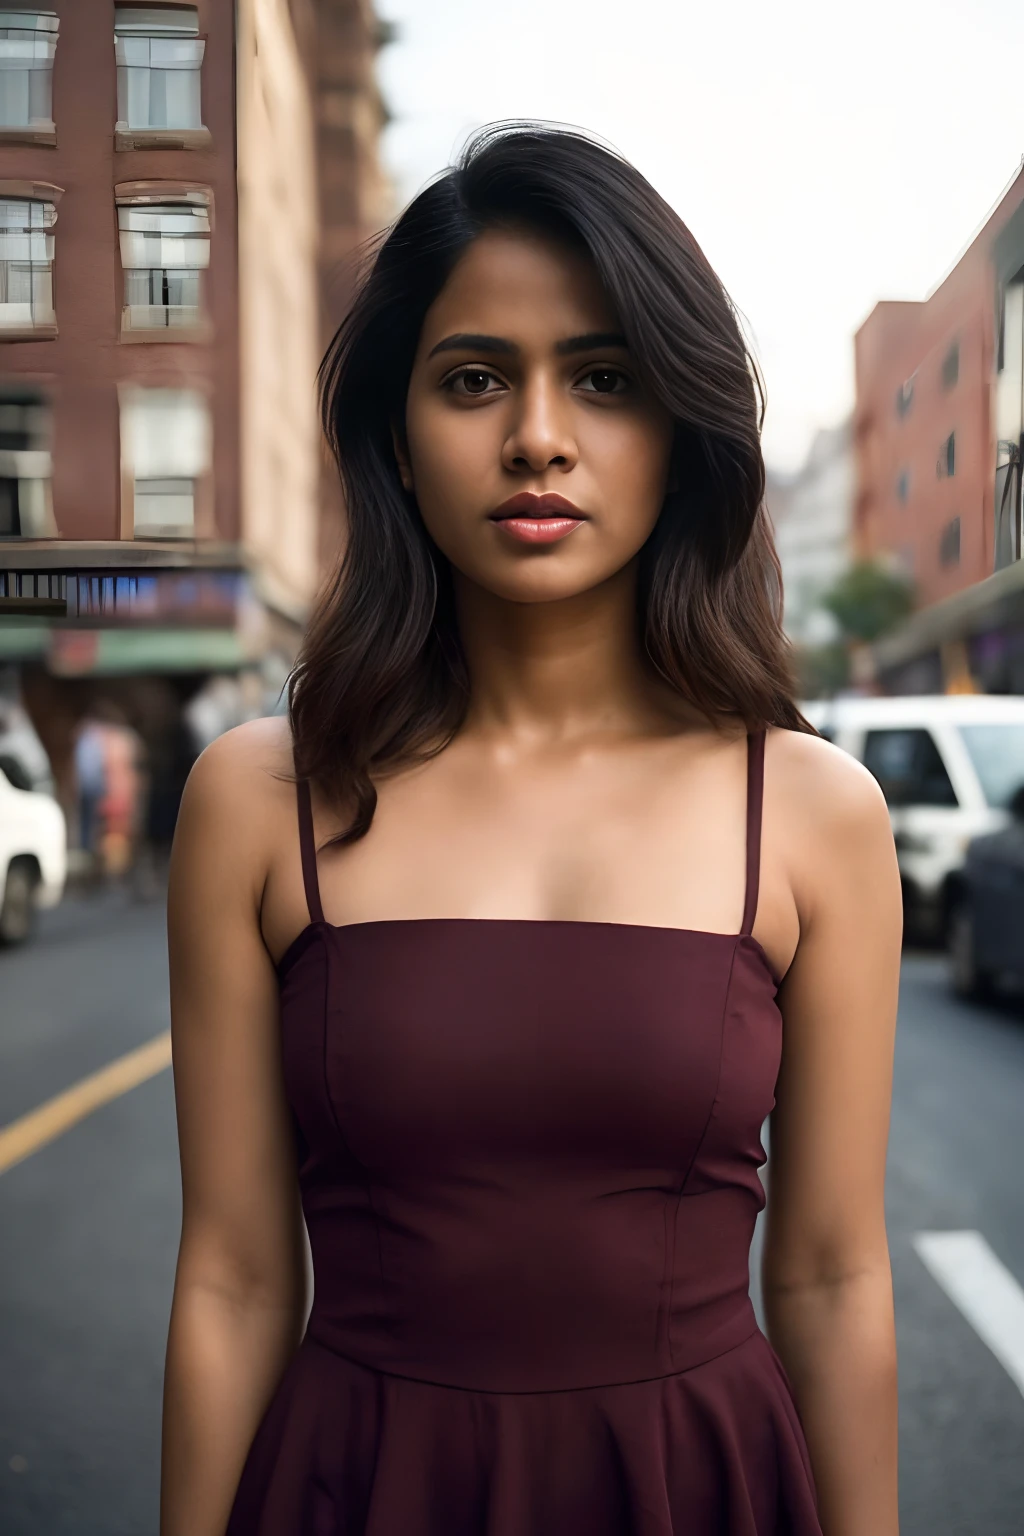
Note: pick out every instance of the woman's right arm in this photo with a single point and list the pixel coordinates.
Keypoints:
(239, 1288)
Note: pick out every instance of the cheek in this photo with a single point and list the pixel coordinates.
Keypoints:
(448, 467)
(632, 462)
(447, 457)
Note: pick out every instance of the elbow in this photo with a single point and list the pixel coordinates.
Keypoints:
(842, 1313)
(826, 1276)
(240, 1281)
(241, 1296)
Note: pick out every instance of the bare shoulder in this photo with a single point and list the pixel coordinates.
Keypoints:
(247, 768)
(831, 824)
(246, 754)
(239, 797)
(821, 788)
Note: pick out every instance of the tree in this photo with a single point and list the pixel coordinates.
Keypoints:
(822, 670)
(868, 599)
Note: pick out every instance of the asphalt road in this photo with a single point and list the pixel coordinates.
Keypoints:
(88, 1231)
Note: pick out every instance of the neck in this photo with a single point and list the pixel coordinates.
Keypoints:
(561, 669)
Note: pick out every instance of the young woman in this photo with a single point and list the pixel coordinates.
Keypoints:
(491, 961)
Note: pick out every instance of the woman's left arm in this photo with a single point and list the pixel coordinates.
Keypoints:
(826, 1276)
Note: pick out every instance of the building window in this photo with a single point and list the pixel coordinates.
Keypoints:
(905, 397)
(165, 250)
(26, 508)
(951, 366)
(28, 42)
(26, 264)
(946, 465)
(903, 487)
(159, 60)
(949, 543)
(165, 456)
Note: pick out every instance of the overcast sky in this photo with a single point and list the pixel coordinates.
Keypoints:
(824, 155)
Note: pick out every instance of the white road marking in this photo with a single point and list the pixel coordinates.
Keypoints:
(983, 1289)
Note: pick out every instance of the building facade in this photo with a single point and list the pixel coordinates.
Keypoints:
(938, 417)
(278, 286)
(165, 172)
(182, 187)
(356, 198)
(120, 330)
(342, 39)
(813, 518)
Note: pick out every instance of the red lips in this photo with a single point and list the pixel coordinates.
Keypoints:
(533, 519)
(529, 504)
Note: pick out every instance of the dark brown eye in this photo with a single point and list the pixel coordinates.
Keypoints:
(604, 381)
(475, 382)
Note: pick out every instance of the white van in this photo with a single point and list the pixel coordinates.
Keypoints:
(21, 748)
(33, 856)
(948, 765)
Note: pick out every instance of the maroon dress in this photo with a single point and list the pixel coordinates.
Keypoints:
(529, 1158)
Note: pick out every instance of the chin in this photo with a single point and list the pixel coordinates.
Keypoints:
(540, 582)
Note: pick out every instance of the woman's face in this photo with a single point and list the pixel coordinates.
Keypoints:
(523, 390)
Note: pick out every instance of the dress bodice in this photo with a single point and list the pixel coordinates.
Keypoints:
(529, 1150)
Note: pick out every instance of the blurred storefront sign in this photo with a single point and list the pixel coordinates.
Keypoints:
(92, 623)
(25, 594)
(112, 652)
(204, 598)
(72, 653)
(115, 598)
(23, 639)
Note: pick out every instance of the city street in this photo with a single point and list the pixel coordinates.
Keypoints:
(89, 1226)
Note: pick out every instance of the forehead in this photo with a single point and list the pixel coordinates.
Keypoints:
(522, 286)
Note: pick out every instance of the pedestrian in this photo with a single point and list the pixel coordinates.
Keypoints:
(573, 898)
(90, 784)
(170, 756)
(120, 804)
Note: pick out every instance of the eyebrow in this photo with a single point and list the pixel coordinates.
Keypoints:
(468, 341)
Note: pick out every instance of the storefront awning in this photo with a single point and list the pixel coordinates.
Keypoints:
(987, 605)
(113, 652)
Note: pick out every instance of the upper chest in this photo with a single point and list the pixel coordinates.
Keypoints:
(653, 837)
(624, 841)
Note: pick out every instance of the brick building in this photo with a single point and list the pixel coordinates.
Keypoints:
(355, 196)
(342, 39)
(177, 182)
(118, 291)
(180, 187)
(936, 412)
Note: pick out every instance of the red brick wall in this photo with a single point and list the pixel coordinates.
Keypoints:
(82, 366)
(900, 342)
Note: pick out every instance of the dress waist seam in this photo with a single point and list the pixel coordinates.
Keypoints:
(313, 1340)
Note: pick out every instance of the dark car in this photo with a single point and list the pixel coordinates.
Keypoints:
(986, 926)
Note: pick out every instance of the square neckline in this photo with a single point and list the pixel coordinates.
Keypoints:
(755, 797)
(317, 925)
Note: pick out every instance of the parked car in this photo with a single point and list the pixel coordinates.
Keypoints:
(949, 765)
(22, 754)
(986, 924)
(20, 747)
(33, 852)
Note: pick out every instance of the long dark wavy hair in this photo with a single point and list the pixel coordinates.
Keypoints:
(381, 679)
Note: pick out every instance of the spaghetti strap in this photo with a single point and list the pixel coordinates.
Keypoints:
(755, 797)
(307, 847)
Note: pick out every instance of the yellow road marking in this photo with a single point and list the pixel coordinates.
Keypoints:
(23, 1137)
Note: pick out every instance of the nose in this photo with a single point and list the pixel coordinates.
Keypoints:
(541, 435)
